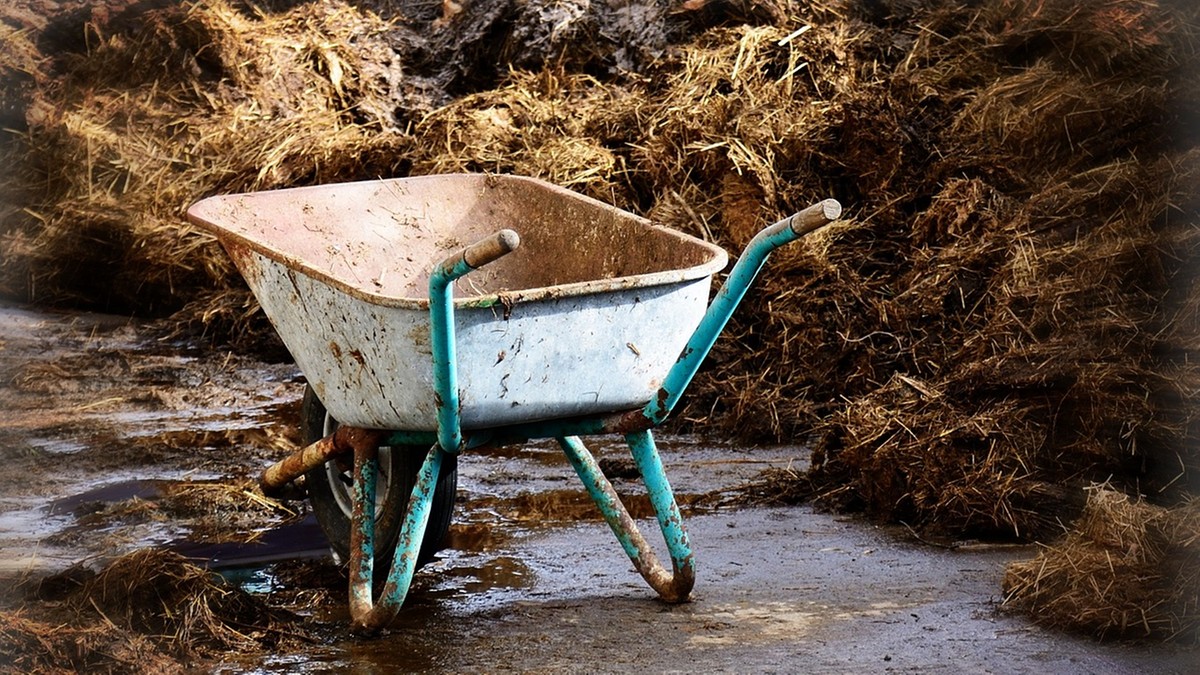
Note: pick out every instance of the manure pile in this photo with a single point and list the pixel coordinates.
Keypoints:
(1008, 315)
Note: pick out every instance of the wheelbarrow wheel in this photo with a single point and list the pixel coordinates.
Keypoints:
(329, 492)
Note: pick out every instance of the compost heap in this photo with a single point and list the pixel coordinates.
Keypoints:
(1007, 317)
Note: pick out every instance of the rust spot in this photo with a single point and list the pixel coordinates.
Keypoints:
(500, 357)
(358, 356)
(358, 439)
(419, 335)
(240, 254)
(626, 422)
(335, 350)
(508, 301)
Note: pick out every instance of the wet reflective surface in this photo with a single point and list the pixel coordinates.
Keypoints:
(140, 444)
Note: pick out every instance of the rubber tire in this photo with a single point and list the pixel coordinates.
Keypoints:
(405, 463)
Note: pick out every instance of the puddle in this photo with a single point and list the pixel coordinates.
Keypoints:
(301, 539)
(537, 509)
(52, 446)
(501, 572)
(477, 537)
(96, 499)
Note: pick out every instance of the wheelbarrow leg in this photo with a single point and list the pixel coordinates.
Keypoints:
(676, 585)
(368, 615)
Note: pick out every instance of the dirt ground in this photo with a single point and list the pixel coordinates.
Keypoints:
(113, 436)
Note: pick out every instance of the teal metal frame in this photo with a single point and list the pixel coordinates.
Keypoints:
(369, 612)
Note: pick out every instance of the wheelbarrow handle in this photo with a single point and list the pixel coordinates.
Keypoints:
(486, 250)
(816, 216)
(800, 223)
(744, 271)
(441, 327)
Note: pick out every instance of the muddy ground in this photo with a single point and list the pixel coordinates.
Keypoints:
(116, 437)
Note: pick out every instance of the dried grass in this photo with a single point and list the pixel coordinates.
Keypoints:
(29, 645)
(145, 611)
(1019, 240)
(221, 512)
(162, 595)
(1128, 570)
(184, 102)
(539, 124)
(991, 336)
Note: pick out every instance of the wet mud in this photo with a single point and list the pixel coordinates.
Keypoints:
(118, 440)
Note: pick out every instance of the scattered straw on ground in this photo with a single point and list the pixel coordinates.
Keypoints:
(1128, 569)
(146, 611)
(222, 511)
(29, 645)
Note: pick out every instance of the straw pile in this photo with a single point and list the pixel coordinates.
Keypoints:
(1009, 316)
(1129, 569)
(29, 645)
(219, 511)
(147, 610)
(147, 110)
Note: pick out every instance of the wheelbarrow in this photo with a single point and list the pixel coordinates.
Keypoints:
(439, 314)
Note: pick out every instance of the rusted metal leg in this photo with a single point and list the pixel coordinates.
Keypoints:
(367, 614)
(671, 587)
(276, 479)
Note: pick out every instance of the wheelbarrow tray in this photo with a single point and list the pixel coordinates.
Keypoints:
(585, 318)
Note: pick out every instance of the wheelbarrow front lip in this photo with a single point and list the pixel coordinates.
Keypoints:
(212, 215)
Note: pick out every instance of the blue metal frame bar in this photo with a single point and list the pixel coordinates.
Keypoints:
(441, 336)
(367, 614)
(662, 498)
(441, 328)
(671, 587)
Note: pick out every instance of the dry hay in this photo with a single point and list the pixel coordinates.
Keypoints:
(539, 124)
(29, 645)
(211, 511)
(161, 594)
(154, 109)
(1129, 569)
(220, 512)
(1007, 321)
(1021, 204)
(146, 610)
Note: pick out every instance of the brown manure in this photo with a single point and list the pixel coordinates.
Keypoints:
(152, 109)
(29, 645)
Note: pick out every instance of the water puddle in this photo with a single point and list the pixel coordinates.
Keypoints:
(99, 498)
(299, 539)
(500, 572)
(551, 507)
